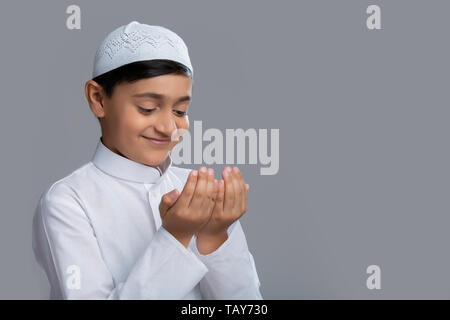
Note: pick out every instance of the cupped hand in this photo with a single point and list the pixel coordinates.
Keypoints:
(186, 213)
(230, 203)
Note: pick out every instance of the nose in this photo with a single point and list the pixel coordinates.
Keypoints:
(165, 124)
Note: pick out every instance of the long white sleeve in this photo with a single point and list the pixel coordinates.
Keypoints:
(64, 241)
(232, 273)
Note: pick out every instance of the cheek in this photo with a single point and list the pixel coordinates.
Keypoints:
(133, 122)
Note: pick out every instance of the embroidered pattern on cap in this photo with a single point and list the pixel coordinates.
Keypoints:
(134, 40)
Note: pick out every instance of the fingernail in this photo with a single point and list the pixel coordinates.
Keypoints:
(194, 173)
(210, 171)
(203, 169)
(221, 183)
(236, 169)
(226, 172)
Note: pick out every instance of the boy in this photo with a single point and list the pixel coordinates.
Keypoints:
(129, 224)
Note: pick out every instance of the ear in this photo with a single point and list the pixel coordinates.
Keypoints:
(95, 96)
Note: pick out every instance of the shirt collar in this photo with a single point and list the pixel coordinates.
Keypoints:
(124, 168)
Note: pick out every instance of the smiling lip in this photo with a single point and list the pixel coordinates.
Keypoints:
(158, 142)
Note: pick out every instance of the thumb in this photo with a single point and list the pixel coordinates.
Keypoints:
(167, 201)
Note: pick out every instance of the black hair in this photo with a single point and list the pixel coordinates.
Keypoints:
(139, 70)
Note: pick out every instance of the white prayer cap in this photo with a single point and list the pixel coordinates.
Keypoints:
(138, 42)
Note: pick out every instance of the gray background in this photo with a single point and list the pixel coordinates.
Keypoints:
(363, 116)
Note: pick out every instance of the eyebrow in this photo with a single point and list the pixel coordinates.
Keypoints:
(159, 96)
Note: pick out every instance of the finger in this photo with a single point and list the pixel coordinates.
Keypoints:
(245, 187)
(216, 189)
(238, 189)
(220, 195)
(188, 191)
(200, 188)
(212, 202)
(167, 201)
(242, 206)
(208, 199)
(229, 189)
(246, 196)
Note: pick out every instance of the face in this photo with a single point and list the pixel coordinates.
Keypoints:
(153, 108)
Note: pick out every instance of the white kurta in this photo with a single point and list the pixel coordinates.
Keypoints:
(97, 234)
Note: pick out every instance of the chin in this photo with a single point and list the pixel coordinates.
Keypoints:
(155, 157)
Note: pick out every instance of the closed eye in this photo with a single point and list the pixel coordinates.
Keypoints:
(180, 113)
(146, 111)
